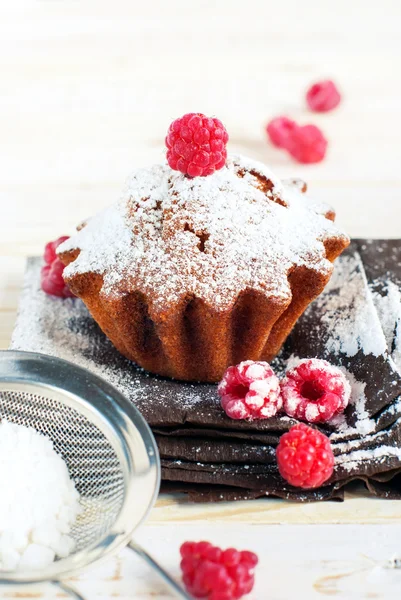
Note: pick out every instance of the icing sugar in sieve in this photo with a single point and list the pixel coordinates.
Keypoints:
(109, 451)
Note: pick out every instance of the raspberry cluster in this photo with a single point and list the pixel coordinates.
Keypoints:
(215, 574)
(305, 143)
(196, 145)
(313, 391)
(250, 391)
(52, 281)
(304, 457)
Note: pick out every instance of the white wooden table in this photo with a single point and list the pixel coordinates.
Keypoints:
(87, 91)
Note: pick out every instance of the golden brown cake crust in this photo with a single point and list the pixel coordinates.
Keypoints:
(188, 276)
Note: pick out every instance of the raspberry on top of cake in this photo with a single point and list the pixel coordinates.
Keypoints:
(204, 262)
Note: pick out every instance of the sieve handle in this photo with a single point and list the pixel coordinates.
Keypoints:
(68, 590)
(168, 580)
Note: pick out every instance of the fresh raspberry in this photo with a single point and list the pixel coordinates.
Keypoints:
(315, 391)
(307, 144)
(52, 281)
(215, 574)
(280, 131)
(250, 391)
(323, 96)
(304, 457)
(196, 145)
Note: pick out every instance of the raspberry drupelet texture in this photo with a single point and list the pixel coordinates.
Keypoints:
(52, 281)
(280, 130)
(323, 96)
(304, 456)
(215, 574)
(307, 144)
(196, 145)
(250, 391)
(315, 391)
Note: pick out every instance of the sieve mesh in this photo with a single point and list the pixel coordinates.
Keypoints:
(90, 458)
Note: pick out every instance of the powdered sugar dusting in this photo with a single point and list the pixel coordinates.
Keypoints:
(375, 440)
(353, 460)
(311, 412)
(387, 301)
(350, 313)
(363, 425)
(170, 236)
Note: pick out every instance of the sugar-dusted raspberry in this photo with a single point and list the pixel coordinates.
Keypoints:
(250, 391)
(315, 391)
(52, 281)
(304, 456)
(323, 96)
(215, 574)
(196, 145)
(307, 144)
(280, 130)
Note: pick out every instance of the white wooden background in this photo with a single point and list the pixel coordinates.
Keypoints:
(87, 91)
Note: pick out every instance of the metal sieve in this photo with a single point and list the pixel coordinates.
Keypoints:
(109, 450)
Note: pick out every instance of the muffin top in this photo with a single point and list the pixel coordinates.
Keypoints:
(173, 237)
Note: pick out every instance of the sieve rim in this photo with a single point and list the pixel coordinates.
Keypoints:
(133, 442)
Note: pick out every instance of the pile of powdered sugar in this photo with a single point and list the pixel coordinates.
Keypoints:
(38, 500)
(170, 236)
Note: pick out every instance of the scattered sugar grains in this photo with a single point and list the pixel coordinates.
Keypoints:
(38, 500)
